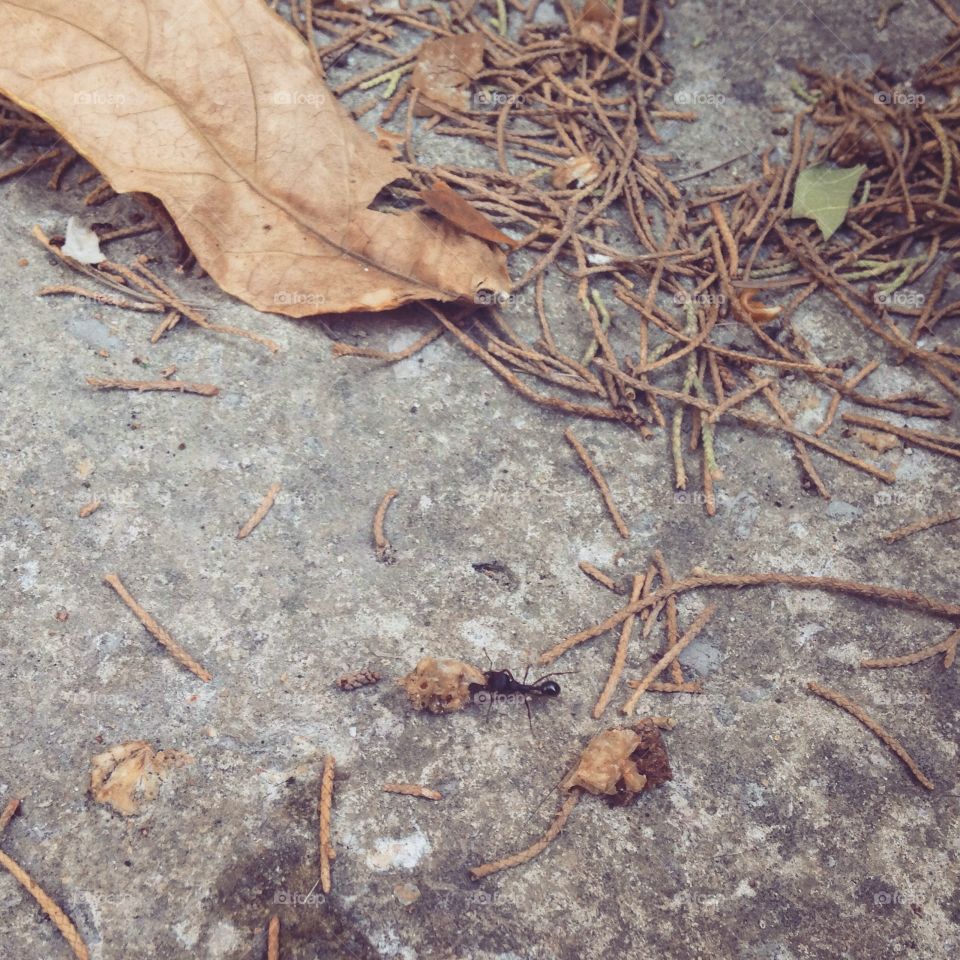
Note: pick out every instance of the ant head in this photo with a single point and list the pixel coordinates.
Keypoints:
(550, 688)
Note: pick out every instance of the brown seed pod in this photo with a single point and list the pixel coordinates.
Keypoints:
(362, 678)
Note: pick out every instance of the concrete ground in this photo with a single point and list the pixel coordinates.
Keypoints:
(788, 831)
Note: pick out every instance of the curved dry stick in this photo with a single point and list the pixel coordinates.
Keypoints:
(947, 647)
(925, 523)
(154, 628)
(384, 550)
(620, 657)
(265, 504)
(535, 849)
(327, 852)
(668, 658)
(61, 921)
(906, 598)
(891, 742)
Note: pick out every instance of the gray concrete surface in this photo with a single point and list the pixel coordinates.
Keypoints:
(788, 832)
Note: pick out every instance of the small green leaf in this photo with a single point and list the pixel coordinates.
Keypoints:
(823, 193)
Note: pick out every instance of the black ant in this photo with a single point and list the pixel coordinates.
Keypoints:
(502, 683)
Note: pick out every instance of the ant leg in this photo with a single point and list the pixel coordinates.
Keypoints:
(526, 703)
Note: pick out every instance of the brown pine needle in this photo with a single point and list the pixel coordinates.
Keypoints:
(176, 386)
(925, 523)
(947, 647)
(534, 850)
(591, 571)
(346, 350)
(906, 598)
(622, 528)
(668, 658)
(327, 852)
(384, 550)
(891, 742)
(154, 628)
(412, 790)
(60, 920)
(104, 298)
(88, 508)
(273, 939)
(941, 442)
(737, 398)
(265, 504)
(9, 812)
(673, 632)
(620, 657)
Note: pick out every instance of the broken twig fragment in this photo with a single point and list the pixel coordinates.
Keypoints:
(384, 550)
(265, 504)
(273, 938)
(413, 790)
(154, 628)
(141, 386)
(92, 507)
(327, 853)
(594, 574)
(362, 678)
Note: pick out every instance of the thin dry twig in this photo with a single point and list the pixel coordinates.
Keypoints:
(156, 631)
(265, 504)
(535, 849)
(845, 703)
(598, 479)
(413, 790)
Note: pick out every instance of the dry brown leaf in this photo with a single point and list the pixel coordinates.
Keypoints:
(620, 763)
(881, 442)
(129, 774)
(444, 70)
(595, 22)
(581, 170)
(217, 110)
(461, 213)
(441, 686)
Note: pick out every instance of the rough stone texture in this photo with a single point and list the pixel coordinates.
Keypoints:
(788, 831)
